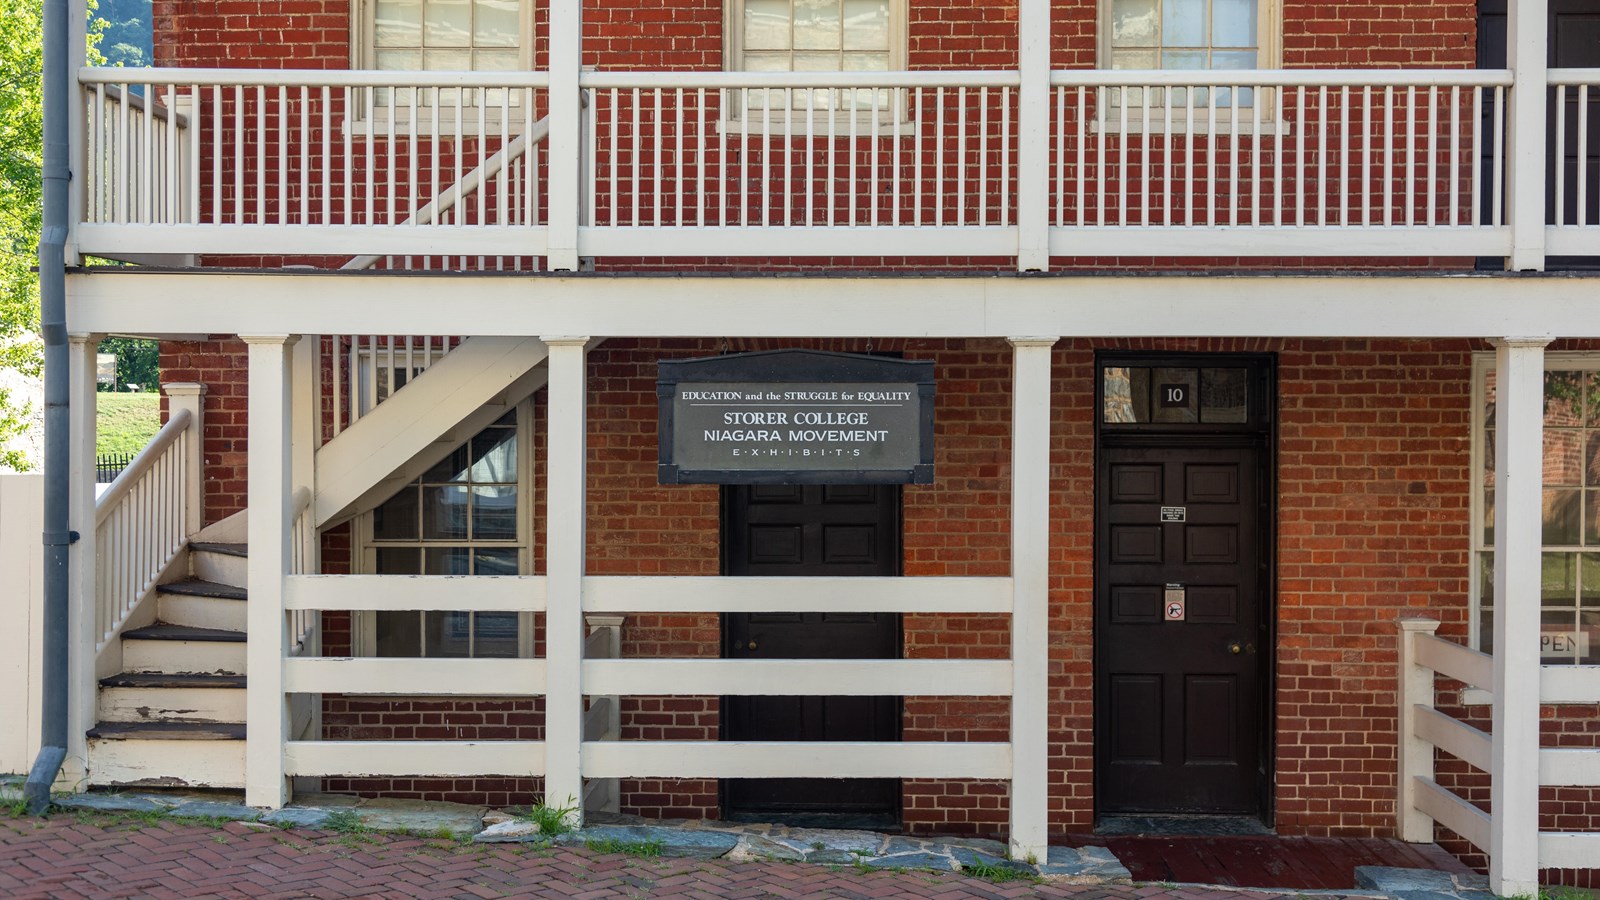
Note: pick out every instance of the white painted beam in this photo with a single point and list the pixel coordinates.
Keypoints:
(393, 675)
(1214, 241)
(1453, 812)
(399, 428)
(1453, 660)
(566, 499)
(1519, 456)
(1569, 849)
(1030, 595)
(1570, 684)
(1033, 136)
(1570, 767)
(1527, 56)
(565, 148)
(827, 594)
(390, 593)
(1320, 306)
(517, 759)
(269, 520)
(143, 241)
(754, 241)
(1453, 736)
(796, 677)
(808, 759)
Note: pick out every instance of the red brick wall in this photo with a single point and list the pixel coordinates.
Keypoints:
(220, 363)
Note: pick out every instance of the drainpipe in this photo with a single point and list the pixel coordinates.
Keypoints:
(57, 395)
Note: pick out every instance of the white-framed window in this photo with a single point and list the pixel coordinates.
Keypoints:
(440, 36)
(815, 36)
(1198, 35)
(469, 514)
(1570, 534)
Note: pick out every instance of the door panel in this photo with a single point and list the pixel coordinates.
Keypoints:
(811, 530)
(1180, 710)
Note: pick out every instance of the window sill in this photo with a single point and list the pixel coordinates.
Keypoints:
(1200, 128)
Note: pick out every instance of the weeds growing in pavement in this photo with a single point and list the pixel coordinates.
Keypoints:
(992, 872)
(641, 849)
(552, 820)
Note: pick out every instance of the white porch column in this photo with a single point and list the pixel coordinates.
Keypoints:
(192, 397)
(566, 125)
(565, 530)
(269, 459)
(1519, 476)
(1030, 602)
(1527, 53)
(82, 587)
(1033, 136)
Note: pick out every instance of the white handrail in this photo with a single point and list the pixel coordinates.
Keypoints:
(309, 77)
(120, 487)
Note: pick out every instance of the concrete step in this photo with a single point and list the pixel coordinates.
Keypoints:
(224, 563)
(171, 649)
(202, 604)
(191, 699)
(167, 754)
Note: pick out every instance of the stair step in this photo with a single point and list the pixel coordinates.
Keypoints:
(225, 548)
(167, 731)
(198, 588)
(161, 631)
(157, 680)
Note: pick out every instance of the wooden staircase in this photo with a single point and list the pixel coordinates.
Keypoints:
(175, 714)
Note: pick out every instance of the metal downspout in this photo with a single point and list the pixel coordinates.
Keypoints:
(57, 395)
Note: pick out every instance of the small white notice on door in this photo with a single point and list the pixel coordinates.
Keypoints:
(1174, 513)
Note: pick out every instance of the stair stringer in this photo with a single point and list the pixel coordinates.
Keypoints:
(398, 431)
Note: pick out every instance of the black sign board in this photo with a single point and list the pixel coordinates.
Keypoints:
(796, 417)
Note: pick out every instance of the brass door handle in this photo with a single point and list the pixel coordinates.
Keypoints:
(750, 646)
(1236, 648)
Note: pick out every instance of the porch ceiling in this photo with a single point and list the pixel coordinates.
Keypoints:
(1233, 305)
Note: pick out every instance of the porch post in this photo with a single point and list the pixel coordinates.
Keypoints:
(192, 397)
(82, 588)
(565, 501)
(1527, 53)
(1514, 763)
(1030, 599)
(269, 459)
(566, 125)
(1033, 136)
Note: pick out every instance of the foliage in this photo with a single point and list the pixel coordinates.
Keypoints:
(641, 849)
(997, 872)
(552, 820)
(125, 423)
(125, 38)
(137, 361)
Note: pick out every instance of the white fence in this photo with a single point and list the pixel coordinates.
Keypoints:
(22, 605)
(452, 170)
(1424, 729)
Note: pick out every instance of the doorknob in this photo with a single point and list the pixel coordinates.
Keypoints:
(1236, 648)
(750, 646)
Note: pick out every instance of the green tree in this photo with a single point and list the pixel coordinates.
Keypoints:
(137, 361)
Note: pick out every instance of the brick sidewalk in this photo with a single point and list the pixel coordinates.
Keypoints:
(99, 855)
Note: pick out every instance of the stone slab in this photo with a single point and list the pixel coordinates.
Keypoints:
(758, 847)
(421, 816)
(922, 860)
(211, 809)
(110, 803)
(512, 832)
(297, 817)
(675, 842)
(1084, 862)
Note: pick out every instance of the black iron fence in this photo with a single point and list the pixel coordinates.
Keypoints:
(107, 466)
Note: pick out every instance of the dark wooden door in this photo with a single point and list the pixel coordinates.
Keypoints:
(1180, 703)
(1574, 43)
(811, 530)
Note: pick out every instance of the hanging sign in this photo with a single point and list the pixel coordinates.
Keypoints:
(796, 417)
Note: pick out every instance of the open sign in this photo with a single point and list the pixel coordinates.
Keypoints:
(1563, 644)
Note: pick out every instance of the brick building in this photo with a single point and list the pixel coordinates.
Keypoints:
(1249, 323)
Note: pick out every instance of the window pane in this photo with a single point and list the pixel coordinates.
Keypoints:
(449, 634)
(1558, 581)
(1133, 59)
(1591, 398)
(447, 61)
(495, 635)
(1133, 23)
(494, 456)
(1183, 59)
(762, 62)
(1558, 636)
(1488, 399)
(866, 25)
(1488, 459)
(868, 62)
(498, 61)
(766, 24)
(1591, 519)
(1224, 396)
(816, 25)
(447, 23)
(1488, 518)
(816, 62)
(1562, 397)
(1117, 404)
(494, 513)
(397, 60)
(496, 23)
(1183, 23)
(444, 512)
(1563, 464)
(1233, 23)
(1591, 460)
(451, 468)
(399, 634)
(397, 23)
(448, 561)
(1174, 392)
(495, 561)
(396, 518)
(1486, 630)
(1560, 518)
(398, 561)
(1486, 578)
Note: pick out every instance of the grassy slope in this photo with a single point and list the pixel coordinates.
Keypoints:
(127, 422)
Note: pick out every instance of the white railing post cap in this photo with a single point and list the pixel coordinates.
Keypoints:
(183, 389)
(1417, 624)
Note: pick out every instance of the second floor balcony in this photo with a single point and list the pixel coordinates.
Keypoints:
(988, 169)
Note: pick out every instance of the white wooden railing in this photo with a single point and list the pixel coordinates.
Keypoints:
(1425, 729)
(142, 522)
(305, 633)
(451, 170)
(364, 370)
(602, 720)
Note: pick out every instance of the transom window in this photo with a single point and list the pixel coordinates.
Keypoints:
(464, 516)
(1569, 585)
(1174, 395)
